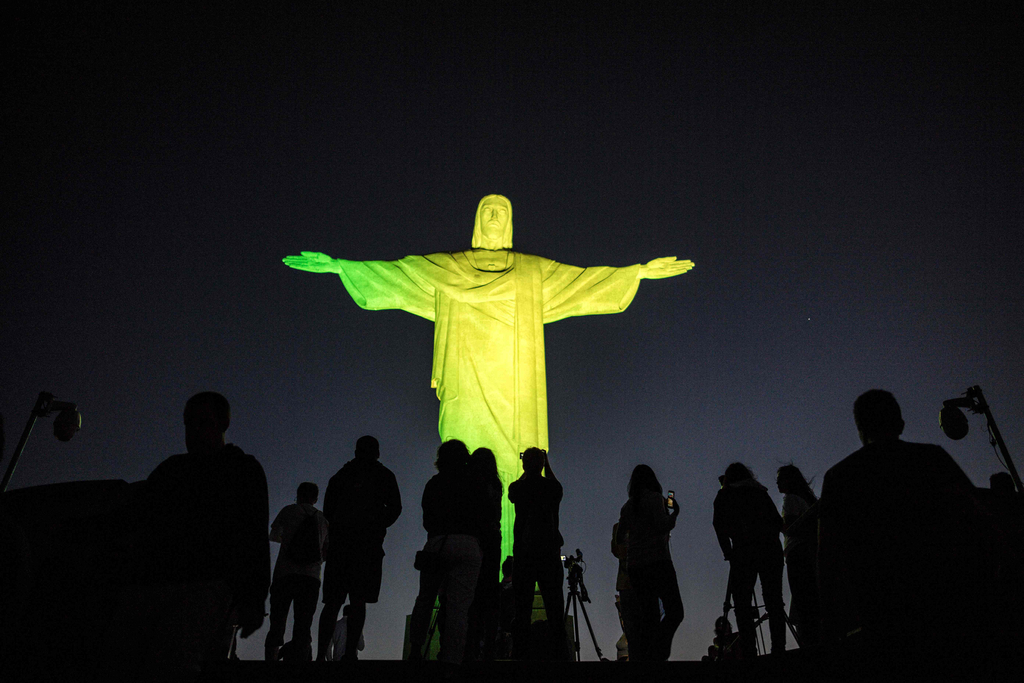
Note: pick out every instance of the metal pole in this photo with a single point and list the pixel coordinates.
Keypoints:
(994, 431)
(40, 410)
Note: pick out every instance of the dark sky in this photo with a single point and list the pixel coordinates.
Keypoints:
(848, 183)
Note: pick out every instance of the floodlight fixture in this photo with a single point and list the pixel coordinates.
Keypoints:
(954, 424)
(65, 426)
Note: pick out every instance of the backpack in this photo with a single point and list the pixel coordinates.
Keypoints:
(304, 548)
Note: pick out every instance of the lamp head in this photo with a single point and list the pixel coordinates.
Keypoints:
(67, 423)
(953, 422)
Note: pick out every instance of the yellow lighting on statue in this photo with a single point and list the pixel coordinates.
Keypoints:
(489, 306)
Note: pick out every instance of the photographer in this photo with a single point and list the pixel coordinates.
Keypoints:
(646, 520)
(537, 549)
(748, 525)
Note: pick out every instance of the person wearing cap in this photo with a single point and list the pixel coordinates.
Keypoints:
(361, 502)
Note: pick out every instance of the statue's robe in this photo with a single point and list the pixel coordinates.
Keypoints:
(488, 365)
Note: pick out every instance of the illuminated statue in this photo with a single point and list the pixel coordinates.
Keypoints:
(489, 306)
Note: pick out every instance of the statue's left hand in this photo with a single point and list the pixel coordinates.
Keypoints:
(664, 267)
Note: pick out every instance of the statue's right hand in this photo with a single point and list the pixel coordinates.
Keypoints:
(312, 261)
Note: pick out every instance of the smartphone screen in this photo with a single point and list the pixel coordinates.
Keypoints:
(671, 498)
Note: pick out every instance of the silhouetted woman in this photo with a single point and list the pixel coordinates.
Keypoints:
(748, 524)
(800, 526)
(455, 511)
(647, 520)
(483, 615)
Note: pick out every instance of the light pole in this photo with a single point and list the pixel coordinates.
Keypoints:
(953, 423)
(65, 425)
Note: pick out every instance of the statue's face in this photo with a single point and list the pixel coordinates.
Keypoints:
(493, 220)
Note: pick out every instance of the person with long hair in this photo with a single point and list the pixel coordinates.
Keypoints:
(646, 521)
(454, 514)
(748, 524)
(800, 528)
(483, 615)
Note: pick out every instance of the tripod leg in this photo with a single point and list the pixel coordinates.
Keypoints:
(576, 625)
(590, 628)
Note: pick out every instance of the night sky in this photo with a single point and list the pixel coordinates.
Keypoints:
(849, 183)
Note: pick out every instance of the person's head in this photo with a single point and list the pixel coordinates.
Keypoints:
(207, 417)
(736, 472)
(533, 460)
(642, 479)
(484, 463)
(1001, 482)
(493, 226)
(367, 447)
(878, 416)
(451, 455)
(790, 480)
(308, 493)
(723, 626)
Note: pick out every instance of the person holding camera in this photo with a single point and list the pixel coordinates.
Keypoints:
(537, 545)
(646, 520)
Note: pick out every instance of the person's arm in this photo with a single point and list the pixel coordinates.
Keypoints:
(795, 524)
(393, 501)
(661, 520)
(275, 533)
(721, 532)
(253, 581)
(548, 472)
(615, 545)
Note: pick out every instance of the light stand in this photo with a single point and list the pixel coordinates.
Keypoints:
(67, 423)
(954, 424)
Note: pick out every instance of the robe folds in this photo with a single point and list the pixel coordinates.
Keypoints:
(488, 368)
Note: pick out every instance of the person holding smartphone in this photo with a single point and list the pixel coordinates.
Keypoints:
(646, 520)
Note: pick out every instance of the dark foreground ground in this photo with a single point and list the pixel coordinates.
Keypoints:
(792, 667)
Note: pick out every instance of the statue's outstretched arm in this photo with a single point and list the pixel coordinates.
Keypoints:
(660, 268)
(313, 262)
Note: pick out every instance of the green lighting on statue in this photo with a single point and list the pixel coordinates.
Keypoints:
(489, 306)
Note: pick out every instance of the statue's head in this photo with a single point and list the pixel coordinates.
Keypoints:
(493, 227)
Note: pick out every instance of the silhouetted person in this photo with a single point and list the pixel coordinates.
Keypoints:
(748, 525)
(1001, 483)
(537, 545)
(340, 637)
(301, 530)
(902, 543)
(800, 526)
(646, 520)
(203, 560)
(627, 602)
(456, 512)
(361, 502)
(483, 615)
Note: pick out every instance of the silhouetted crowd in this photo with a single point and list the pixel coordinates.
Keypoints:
(900, 554)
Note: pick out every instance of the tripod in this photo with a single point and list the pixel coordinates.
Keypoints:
(759, 618)
(578, 596)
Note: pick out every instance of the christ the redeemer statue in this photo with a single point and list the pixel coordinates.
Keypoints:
(489, 306)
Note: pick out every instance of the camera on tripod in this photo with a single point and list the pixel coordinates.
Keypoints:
(572, 561)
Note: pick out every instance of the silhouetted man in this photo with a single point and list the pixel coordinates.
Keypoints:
(301, 530)
(902, 542)
(361, 502)
(748, 525)
(537, 548)
(203, 560)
